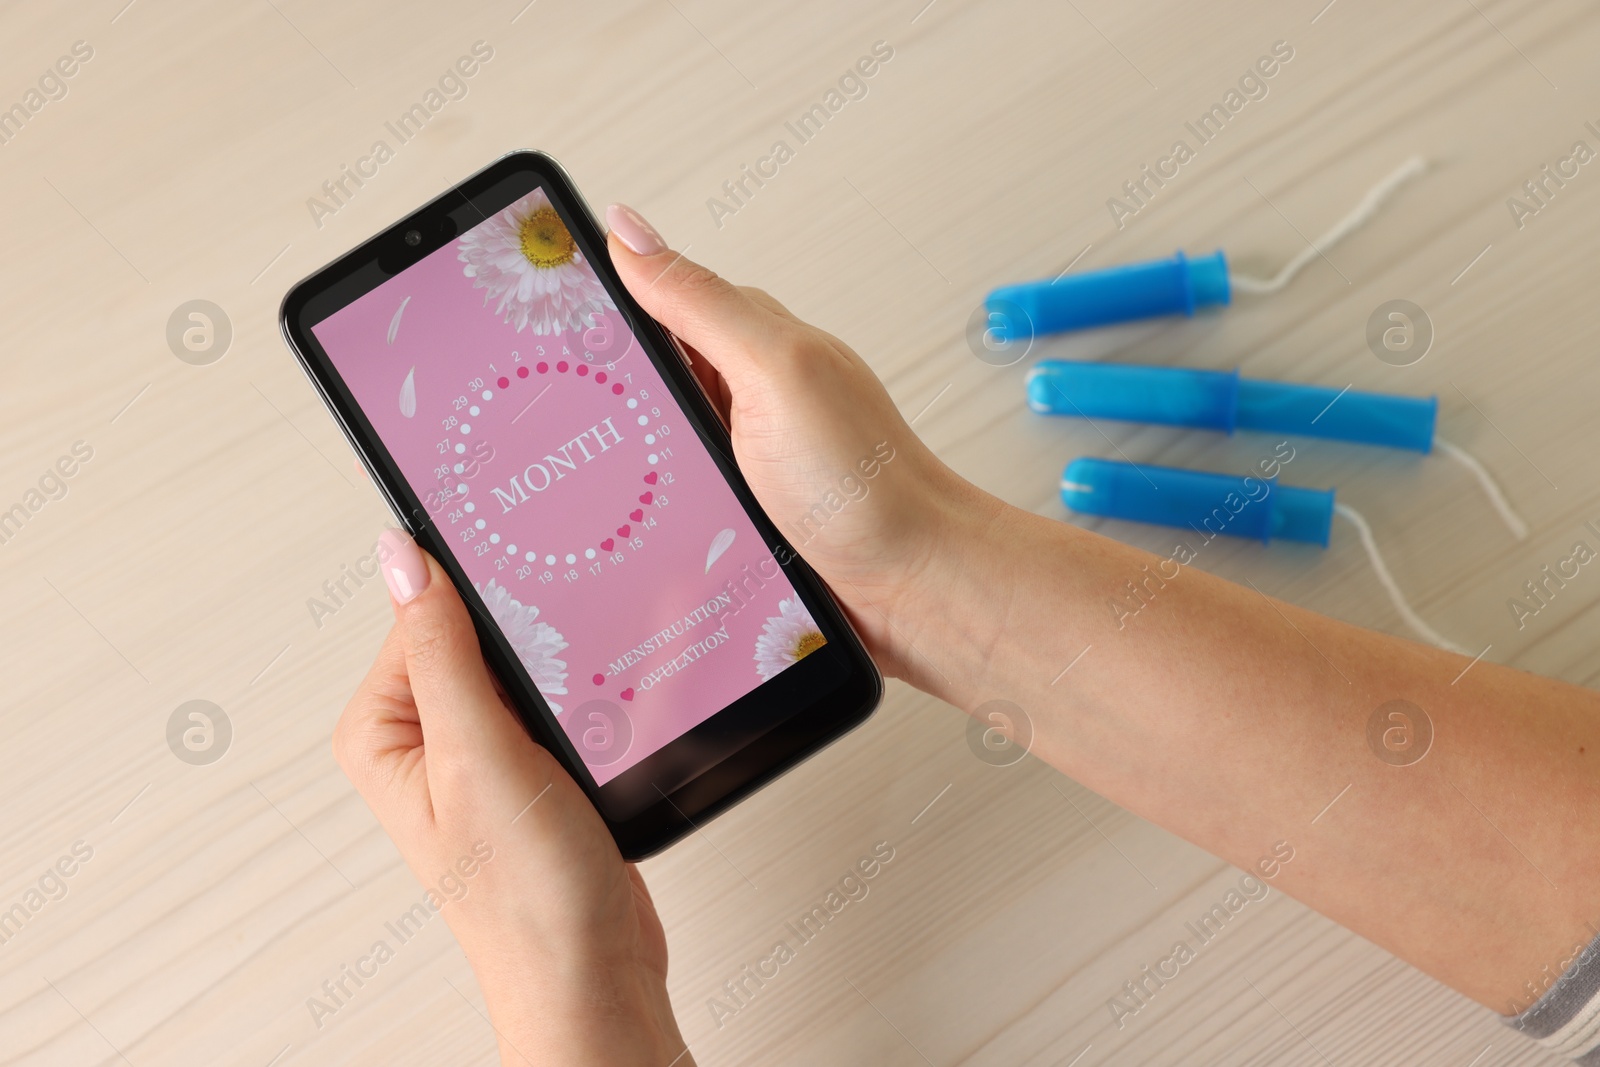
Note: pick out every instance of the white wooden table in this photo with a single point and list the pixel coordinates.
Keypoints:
(218, 498)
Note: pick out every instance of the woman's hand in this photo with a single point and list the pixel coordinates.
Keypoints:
(815, 434)
(559, 930)
(1200, 704)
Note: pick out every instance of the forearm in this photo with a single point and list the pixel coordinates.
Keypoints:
(1234, 721)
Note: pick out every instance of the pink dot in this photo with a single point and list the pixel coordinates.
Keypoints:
(522, 372)
(562, 366)
(582, 370)
(599, 679)
(617, 388)
(600, 376)
(543, 368)
(503, 382)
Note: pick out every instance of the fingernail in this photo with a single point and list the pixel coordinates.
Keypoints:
(636, 233)
(403, 567)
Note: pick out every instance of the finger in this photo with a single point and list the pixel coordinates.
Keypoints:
(461, 715)
(740, 337)
(712, 381)
(378, 737)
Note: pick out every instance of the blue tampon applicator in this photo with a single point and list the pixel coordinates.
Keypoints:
(1176, 286)
(1221, 504)
(1222, 400)
(1209, 504)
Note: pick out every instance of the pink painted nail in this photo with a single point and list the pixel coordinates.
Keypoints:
(636, 233)
(403, 567)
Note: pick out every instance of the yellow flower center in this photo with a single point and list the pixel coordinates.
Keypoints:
(808, 644)
(545, 240)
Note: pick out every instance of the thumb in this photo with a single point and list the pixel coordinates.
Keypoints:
(462, 716)
(739, 337)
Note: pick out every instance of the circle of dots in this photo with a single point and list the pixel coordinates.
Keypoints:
(504, 382)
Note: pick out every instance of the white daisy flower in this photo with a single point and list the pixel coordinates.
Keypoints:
(787, 638)
(525, 257)
(535, 643)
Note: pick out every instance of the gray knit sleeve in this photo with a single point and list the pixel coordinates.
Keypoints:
(1566, 1018)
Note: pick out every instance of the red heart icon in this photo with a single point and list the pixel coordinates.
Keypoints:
(626, 694)
(606, 545)
(637, 515)
(599, 679)
(650, 479)
(645, 498)
(622, 531)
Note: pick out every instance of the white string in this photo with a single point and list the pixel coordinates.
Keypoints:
(1357, 218)
(1491, 488)
(1392, 587)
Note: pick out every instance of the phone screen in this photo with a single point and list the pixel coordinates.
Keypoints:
(593, 523)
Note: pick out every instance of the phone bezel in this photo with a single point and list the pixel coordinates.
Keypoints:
(738, 749)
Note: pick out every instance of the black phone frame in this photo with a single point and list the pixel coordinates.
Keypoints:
(739, 749)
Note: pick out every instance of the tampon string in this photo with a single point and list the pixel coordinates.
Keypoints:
(1176, 286)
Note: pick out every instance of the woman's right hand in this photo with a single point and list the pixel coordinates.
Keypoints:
(1228, 718)
(816, 435)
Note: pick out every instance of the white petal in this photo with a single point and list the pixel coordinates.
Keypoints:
(394, 323)
(719, 545)
(408, 394)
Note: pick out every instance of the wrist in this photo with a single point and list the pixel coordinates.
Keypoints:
(949, 610)
(551, 1016)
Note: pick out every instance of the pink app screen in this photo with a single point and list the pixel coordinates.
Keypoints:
(593, 524)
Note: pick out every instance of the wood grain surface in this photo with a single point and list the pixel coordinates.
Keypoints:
(177, 566)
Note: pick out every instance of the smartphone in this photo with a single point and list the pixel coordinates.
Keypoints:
(545, 440)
